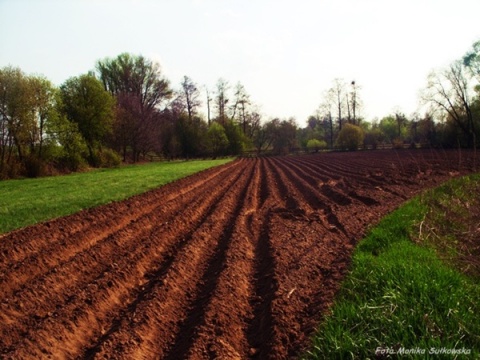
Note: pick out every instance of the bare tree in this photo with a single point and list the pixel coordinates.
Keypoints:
(209, 99)
(449, 90)
(221, 100)
(337, 95)
(190, 95)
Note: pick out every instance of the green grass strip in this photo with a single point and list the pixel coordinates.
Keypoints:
(28, 201)
(400, 300)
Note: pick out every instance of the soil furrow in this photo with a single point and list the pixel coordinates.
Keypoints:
(128, 317)
(133, 263)
(57, 286)
(198, 316)
(240, 261)
(222, 332)
(110, 217)
(159, 316)
(15, 277)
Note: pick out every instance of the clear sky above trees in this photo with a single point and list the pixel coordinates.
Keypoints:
(286, 53)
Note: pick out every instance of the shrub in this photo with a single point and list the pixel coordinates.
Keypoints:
(315, 145)
(350, 137)
(109, 158)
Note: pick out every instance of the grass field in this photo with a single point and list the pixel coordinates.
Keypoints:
(410, 288)
(28, 201)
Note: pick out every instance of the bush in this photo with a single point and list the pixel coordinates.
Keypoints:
(315, 145)
(109, 158)
(72, 161)
(374, 137)
(350, 137)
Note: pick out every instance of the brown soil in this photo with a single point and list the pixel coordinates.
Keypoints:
(235, 262)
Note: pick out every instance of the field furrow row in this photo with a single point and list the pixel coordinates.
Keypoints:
(239, 261)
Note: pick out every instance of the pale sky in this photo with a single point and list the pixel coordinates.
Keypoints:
(285, 53)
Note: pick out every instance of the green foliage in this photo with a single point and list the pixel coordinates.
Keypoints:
(188, 138)
(26, 105)
(374, 137)
(91, 107)
(316, 145)
(388, 126)
(236, 141)
(472, 59)
(109, 158)
(350, 137)
(400, 295)
(72, 150)
(283, 134)
(217, 139)
(26, 202)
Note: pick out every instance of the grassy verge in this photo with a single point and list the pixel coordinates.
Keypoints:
(413, 290)
(28, 201)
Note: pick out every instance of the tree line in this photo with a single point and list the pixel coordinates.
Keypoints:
(451, 99)
(126, 110)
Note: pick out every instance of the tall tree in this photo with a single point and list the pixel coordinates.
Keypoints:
(354, 101)
(141, 90)
(135, 75)
(240, 102)
(86, 103)
(221, 100)
(449, 90)
(26, 105)
(337, 96)
(16, 111)
(44, 107)
(209, 100)
(472, 59)
(190, 96)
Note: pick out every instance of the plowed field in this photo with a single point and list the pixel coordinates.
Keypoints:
(238, 261)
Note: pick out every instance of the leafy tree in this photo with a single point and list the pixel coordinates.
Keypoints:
(69, 146)
(262, 137)
(235, 137)
(374, 137)
(472, 59)
(91, 107)
(350, 137)
(283, 134)
(190, 136)
(26, 104)
(217, 139)
(16, 112)
(389, 127)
